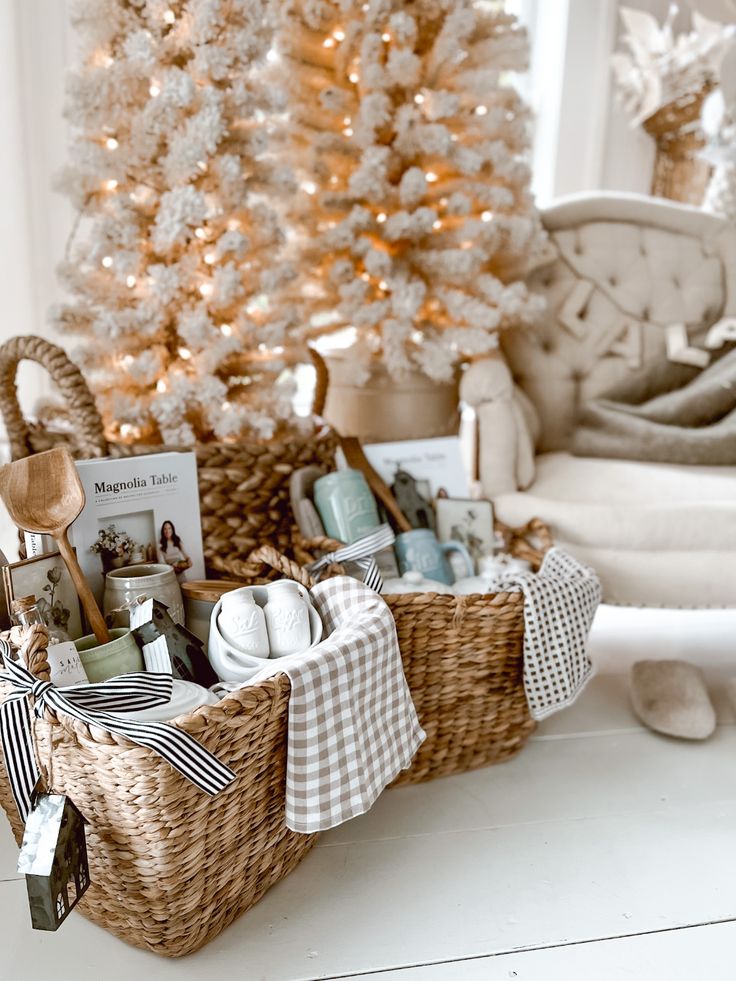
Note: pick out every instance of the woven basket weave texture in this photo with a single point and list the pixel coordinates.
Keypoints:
(463, 658)
(243, 486)
(170, 867)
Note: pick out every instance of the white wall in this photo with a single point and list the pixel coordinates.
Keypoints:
(629, 153)
(35, 221)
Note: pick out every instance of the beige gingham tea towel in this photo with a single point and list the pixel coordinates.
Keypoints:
(559, 605)
(352, 723)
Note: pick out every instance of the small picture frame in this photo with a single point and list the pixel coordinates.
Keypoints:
(47, 578)
(468, 522)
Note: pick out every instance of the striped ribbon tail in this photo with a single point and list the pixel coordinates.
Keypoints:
(360, 552)
(93, 705)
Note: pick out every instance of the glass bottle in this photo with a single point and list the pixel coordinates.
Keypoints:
(26, 611)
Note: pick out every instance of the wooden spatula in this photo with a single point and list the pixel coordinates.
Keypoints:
(43, 495)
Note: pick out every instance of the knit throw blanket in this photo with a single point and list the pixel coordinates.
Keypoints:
(666, 413)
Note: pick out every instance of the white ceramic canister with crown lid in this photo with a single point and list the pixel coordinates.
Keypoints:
(241, 622)
(287, 619)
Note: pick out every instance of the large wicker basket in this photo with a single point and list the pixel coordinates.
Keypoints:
(170, 867)
(463, 660)
(463, 656)
(243, 485)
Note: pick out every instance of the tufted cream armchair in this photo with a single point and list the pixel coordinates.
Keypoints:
(632, 279)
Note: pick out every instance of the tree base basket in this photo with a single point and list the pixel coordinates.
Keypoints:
(384, 409)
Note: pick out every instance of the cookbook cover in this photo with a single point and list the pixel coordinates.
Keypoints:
(434, 465)
(139, 509)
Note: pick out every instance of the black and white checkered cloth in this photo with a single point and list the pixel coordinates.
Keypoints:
(352, 723)
(559, 605)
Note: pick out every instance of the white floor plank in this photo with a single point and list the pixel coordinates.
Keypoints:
(704, 952)
(399, 902)
(620, 774)
(597, 829)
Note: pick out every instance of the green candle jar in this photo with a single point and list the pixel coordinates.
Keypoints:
(345, 505)
(102, 661)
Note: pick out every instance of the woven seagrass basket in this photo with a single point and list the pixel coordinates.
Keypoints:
(463, 658)
(170, 867)
(680, 173)
(243, 485)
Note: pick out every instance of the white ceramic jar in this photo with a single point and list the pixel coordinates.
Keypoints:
(287, 619)
(242, 623)
(152, 580)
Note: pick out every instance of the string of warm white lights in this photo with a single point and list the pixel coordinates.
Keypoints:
(176, 262)
(415, 218)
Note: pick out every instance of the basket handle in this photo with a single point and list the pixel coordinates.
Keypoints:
(89, 436)
(32, 643)
(270, 556)
(516, 540)
(321, 382)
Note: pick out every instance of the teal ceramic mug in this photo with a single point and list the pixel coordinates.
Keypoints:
(418, 550)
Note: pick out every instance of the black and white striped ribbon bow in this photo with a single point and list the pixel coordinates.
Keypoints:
(361, 553)
(92, 704)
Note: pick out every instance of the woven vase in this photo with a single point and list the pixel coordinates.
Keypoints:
(680, 173)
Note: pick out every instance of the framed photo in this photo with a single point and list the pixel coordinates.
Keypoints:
(468, 522)
(47, 578)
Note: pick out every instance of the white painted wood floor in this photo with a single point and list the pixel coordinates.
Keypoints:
(601, 852)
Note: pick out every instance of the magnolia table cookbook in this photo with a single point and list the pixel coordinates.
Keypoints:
(139, 509)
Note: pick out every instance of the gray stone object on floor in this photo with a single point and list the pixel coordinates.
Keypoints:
(731, 693)
(671, 697)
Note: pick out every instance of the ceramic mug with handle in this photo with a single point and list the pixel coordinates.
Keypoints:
(419, 550)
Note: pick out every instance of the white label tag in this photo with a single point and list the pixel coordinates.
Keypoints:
(141, 613)
(38, 544)
(66, 665)
(156, 656)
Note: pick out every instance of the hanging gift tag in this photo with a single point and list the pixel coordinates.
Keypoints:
(66, 665)
(168, 646)
(53, 858)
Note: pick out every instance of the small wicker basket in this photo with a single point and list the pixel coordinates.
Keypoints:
(463, 659)
(170, 868)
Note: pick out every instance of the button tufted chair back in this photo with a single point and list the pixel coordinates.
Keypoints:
(625, 268)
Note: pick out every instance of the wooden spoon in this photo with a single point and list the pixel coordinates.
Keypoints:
(44, 495)
(357, 459)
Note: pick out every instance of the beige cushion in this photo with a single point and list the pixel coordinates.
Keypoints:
(657, 534)
(626, 267)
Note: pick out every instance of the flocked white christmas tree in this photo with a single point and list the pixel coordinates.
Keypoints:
(176, 255)
(414, 214)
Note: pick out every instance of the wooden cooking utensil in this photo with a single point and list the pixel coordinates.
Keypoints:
(43, 494)
(357, 459)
